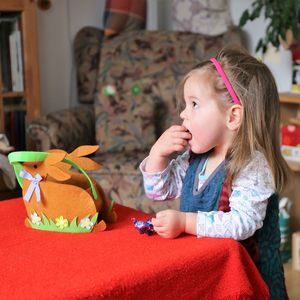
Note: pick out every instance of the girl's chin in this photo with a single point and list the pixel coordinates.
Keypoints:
(196, 148)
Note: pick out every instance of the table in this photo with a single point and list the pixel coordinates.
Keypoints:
(119, 263)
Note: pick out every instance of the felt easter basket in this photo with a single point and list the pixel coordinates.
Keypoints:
(56, 196)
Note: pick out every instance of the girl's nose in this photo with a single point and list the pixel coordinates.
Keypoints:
(182, 115)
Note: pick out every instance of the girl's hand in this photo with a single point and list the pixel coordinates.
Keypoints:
(169, 223)
(174, 139)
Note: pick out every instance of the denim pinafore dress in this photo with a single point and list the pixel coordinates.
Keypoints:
(263, 247)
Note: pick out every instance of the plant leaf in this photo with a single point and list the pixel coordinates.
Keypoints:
(244, 18)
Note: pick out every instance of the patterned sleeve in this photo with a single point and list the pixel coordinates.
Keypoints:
(166, 184)
(248, 203)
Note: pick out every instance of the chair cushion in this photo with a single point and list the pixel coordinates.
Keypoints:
(126, 122)
(121, 180)
(125, 162)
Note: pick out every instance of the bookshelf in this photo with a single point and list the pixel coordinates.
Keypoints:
(290, 114)
(19, 70)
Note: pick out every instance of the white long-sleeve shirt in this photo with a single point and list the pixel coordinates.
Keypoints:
(248, 200)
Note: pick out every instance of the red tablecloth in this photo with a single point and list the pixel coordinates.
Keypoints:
(119, 263)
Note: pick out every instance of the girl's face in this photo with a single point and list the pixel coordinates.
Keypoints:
(202, 116)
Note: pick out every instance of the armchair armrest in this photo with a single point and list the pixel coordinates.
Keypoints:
(65, 129)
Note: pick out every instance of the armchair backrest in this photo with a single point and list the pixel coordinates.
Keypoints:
(137, 79)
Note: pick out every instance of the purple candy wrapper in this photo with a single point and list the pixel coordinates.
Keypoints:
(143, 226)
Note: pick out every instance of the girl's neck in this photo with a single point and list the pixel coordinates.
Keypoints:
(214, 160)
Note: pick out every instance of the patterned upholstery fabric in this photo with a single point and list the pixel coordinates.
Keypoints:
(124, 120)
(135, 101)
(87, 46)
(122, 181)
(65, 129)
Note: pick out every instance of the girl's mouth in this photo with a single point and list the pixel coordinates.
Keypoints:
(190, 137)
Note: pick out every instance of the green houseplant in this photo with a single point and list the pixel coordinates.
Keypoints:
(283, 17)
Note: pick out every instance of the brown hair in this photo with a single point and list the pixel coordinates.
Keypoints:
(256, 89)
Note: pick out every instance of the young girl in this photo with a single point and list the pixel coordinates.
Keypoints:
(229, 177)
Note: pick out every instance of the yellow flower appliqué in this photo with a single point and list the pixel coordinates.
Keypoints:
(61, 222)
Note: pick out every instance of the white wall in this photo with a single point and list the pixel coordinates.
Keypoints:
(58, 26)
(57, 29)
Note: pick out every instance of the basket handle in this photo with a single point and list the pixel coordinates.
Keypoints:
(18, 157)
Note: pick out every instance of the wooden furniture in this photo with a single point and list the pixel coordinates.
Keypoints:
(292, 279)
(5, 193)
(27, 100)
(120, 263)
(290, 114)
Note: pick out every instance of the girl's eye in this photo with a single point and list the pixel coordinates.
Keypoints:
(194, 104)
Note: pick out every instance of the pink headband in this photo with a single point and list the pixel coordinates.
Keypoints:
(226, 81)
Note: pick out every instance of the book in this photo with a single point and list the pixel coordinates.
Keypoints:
(16, 62)
(20, 80)
(15, 128)
(20, 130)
(12, 124)
(13, 61)
(6, 27)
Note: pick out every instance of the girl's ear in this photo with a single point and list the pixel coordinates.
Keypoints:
(234, 117)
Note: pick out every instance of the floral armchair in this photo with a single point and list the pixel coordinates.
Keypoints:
(130, 82)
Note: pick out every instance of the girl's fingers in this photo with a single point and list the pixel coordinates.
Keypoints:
(161, 214)
(159, 230)
(182, 135)
(157, 222)
(177, 128)
(178, 141)
(163, 234)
